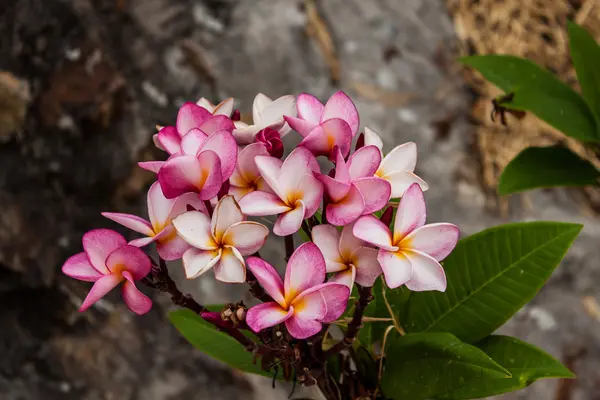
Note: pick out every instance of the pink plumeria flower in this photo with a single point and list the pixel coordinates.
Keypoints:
(107, 260)
(246, 176)
(303, 302)
(160, 230)
(346, 255)
(354, 191)
(221, 242)
(266, 113)
(398, 166)
(295, 193)
(205, 163)
(325, 126)
(410, 255)
(223, 108)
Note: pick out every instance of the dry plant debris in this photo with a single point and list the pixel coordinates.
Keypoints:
(318, 29)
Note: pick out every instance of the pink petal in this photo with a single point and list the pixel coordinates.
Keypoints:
(335, 190)
(401, 158)
(78, 266)
(302, 328)
(327, 238)
(341, 106)
(270, 168)
(226, 213)
(290, 221)
(342, 172)
(195, 228)
(372, 230)
(310, 305)
(345, 277)
(262, 203)
(336, 297)
(196, 262)
(169, 139)
(217, 123)
(246, 167)
(268, 278)
(309, 108)
(223, 144)
(347, 210)
(367, 266)
(245, 134)
(191, 142)
(401, 180)
(373, 139)
(375, 191)
(274, 112)
(190, 116)
(152, 166)
(131, 259)
(212, 174)
(159, 207)
(247, 237)
(299, 162)
(101, 287)
(156, 142)
(182, 202)
(435, 240)
(141, 242)
(266, 315)
(348, 242)
(334, 132)
(169, 245)
(428, 274)
(137, 302)
(364, 162)
(260, 102)
(411, 213)
(397, 269)
(98, 244)
(185, 174)
(301, 126)
(305, 269)
(239, 192)
(224, 108)
(310, 191)
(132, 222)
(230, 268)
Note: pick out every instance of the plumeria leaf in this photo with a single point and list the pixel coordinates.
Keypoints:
(427, 365)
(491, 275)
(538, 91)
(541, 167)
(585, 54)
(206, 338)
(525, 362)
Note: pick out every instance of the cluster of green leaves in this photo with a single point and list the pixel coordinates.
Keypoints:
(536, 90)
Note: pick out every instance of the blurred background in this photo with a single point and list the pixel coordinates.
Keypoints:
(84, 82)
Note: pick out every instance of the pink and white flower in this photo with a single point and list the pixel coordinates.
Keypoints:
(160, 230)
(349, 257)
(246, 177)
(398, 166)
(295, 193)
(325, 126)
(354, 191)
(223, 108)
(303, 302)
(410, 255)
(107, 260)
(266, 113)
(219, 242)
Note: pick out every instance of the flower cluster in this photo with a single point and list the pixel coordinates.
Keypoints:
(332, 187)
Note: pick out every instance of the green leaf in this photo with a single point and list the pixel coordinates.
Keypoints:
(585, 54)
(427, 365)
(538, 91)
(525, 362)
(538, 167)
(491, 275)
(206, 338)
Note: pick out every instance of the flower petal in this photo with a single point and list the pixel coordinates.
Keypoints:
(268, 278)
(230, 269)
(364, 162)
(262, 203)
(132, 222)
(137, 302)
(310, 304)
(183, 202)
(299, 162)
(375, 191)
(211, 174)
(101, 287)
(247, 237)
(191, 142)
(169, 245)
(346, 210)
(180, 175)
(310, 191)
(301, 328)
(226, 213)
(327, 239)
(270, 168)
(78, 266)
(342, 172)
(141, 242)
(274, 112)
(435, 240)
(348, 242)
(336, 297)
(205, 103)
(261, 101)
(397, 269)
(301, 126)
(266, 315)
(169, 139)
(341, 106)
(334, 132)
(411, 213)
(428, 274)
(190, 116)
(372, 230)
(98, 244)
(223, 144)
(196, 262)
(159, 207)
(401, 180)
(290, 221)
(217, 123)
(336, 190)
(244, 134)
(305, 269)
(152, 166)
(157, 143)
(195, 228)
(401, 158)
(345, 277)
(246, 167)
(309, 108)
(372, 138)
(224, 108)
(131, 259)
(367, 266)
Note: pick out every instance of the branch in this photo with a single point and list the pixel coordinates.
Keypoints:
(289, 246)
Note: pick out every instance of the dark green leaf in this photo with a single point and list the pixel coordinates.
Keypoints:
(491, 275)
(525, 362)
(426, 365)
(538, 91)
(203, 336)
(585, 54)
(537, 167)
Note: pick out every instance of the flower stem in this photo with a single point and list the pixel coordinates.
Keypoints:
(289, 246)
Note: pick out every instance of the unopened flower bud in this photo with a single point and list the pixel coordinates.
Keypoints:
(236, 115)
(272, 140)
(386, 217)
(241, 314)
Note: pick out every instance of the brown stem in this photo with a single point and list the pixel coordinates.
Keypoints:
(289, 246)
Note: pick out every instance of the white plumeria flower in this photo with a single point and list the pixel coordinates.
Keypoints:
(266, 113)
(219, 242)
(223, 108)
(398, 166)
